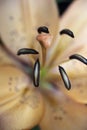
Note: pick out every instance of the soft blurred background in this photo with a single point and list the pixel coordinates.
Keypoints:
(63, 4)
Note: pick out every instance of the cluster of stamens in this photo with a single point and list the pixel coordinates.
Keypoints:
(45, 39)
(42, 38)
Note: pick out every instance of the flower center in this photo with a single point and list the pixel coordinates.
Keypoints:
(39, 71)
(45, 39)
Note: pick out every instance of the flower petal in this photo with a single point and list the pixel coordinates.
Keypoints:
(7, 57)
(63, 113)
(77, 72)
(20, 20)
(64, 44)
(20, 103)
(11, 25)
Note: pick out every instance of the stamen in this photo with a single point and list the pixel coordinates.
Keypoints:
(43, 29)
(65, 78)
(36, 73)
(27, 51)
(68, 32)
(79, 57)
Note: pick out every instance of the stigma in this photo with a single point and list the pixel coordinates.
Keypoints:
(44, 37)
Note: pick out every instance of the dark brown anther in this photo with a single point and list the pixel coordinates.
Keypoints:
(79, 57)
(27, 51)
(68, 32)
(43, 29)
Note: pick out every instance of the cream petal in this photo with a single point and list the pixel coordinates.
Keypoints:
(71, 66)
(79, 46)
(20, 20)
(9, 58)
(77, 72)
(4, 58)
(75, 19)
(11, 25)
(12, 83)
(21, 105)
(62, 113)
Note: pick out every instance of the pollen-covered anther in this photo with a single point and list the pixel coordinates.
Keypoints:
(45, 39)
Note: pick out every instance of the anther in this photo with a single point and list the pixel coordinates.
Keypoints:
(79, 57)
(65, 78)
(43, 29)
(68, 32)
(36, 73)
(27, 51)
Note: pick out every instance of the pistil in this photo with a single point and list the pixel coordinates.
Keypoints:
(44, 38)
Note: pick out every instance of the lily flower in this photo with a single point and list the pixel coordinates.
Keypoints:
(43, 68)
